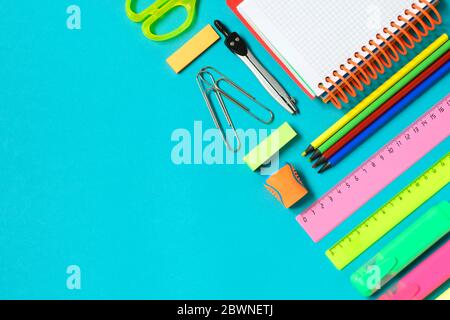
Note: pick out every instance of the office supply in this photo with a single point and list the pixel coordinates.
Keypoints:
(377, 172)
(445, 296)
(424, 279)
(379, 112)
(239, 47)
(438, 58)
(154, 13)
(192, 49)
(270, 146)
(403, 250)
(286, 186)
(310, 39)
(391, 214)
(385, 118)
(209, 80)
(376, 94)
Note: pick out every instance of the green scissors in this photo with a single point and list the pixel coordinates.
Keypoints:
(156, 12)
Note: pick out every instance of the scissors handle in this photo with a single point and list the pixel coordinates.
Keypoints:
(156, 12)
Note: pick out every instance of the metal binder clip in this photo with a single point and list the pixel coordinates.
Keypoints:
(209, 84)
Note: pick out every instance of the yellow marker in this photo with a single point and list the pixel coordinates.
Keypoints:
(445, 296)
(193, 49)
(376, 94)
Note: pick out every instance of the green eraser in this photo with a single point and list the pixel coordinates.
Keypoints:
(270, 146)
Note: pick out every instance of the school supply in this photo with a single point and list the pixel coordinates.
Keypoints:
(403, 250)
(435, 59)
(385, 118)
(154, 13)
(270, 146)
(239, 47)
(377, 172)
(445, 296)
(310, 39)
(209, 80)
(376, 94)
(391, 214)
(286, 186)
(424, 279)
(191, 50)
(379, 112)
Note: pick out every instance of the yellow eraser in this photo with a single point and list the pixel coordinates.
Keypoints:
(192, 49)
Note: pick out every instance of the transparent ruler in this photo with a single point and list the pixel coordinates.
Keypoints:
(391, 214)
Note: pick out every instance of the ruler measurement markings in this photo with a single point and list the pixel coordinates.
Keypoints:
(425, 180)
(407, 139)
(385, 210)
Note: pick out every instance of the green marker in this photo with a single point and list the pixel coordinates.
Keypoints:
(398, 254)
(382, 100)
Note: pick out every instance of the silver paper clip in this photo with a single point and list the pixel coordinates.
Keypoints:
(208, 84)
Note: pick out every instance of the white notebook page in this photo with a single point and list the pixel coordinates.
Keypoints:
(314, 37)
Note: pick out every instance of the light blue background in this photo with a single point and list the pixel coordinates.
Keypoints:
(86, 175)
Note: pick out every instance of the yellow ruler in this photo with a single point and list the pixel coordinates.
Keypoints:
(391, 214)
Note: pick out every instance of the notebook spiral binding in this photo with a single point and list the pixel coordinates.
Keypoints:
(402, 40)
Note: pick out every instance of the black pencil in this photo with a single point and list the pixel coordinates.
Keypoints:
(326, 167)
(308, 150)
(316, 155)
(322, 160)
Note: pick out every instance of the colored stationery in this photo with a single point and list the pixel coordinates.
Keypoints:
(377, 172)
(379, 112)
(433, 62)
(193, 49)
(391, 214)
(286, 186)
(403, 250)
(385, 118)
(445, 296)
(424, 279)
(239, 47)
(270, 146)
(333, 49)
(154, 13)
(376, 94)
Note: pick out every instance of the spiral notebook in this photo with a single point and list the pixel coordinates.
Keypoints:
(333, 49)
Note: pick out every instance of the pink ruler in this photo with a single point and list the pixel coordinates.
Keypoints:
(424, 279)
(377, 172)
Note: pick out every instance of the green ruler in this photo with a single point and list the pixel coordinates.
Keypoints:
(391, 214)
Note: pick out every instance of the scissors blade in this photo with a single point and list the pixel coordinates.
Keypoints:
(269, 82)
